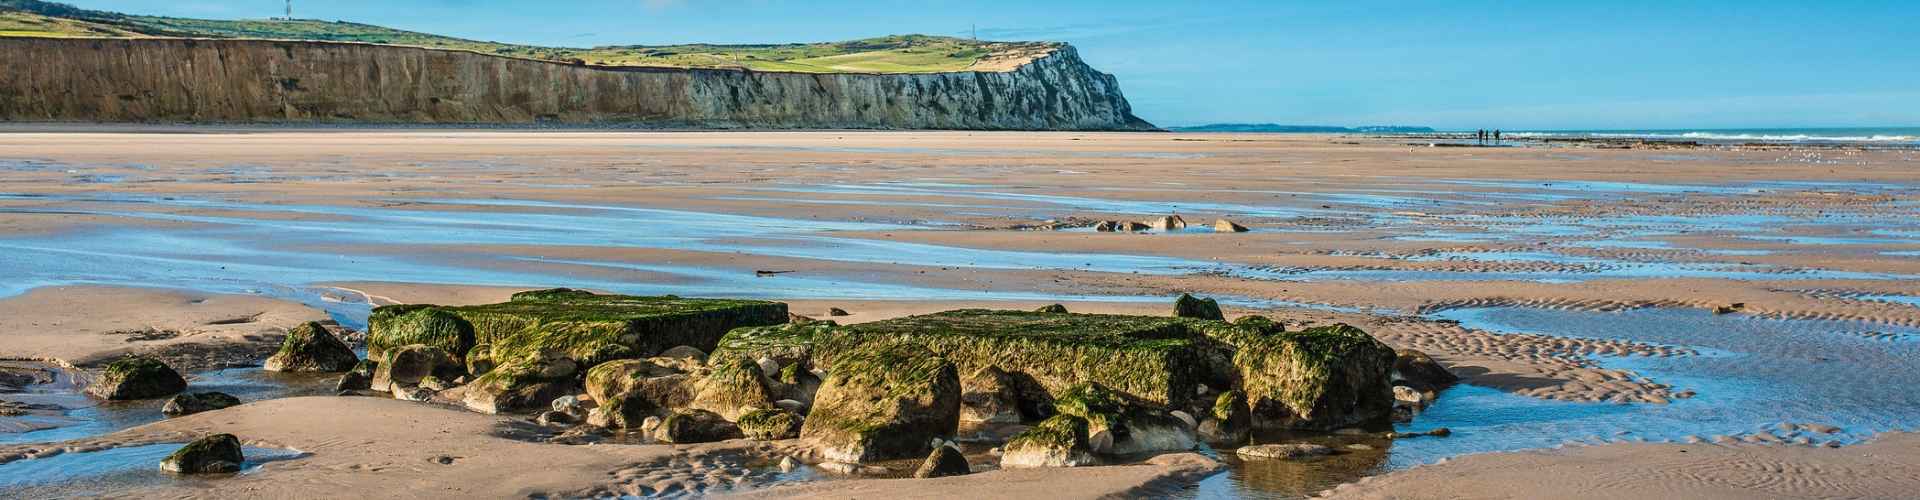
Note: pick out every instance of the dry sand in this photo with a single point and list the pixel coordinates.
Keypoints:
(88, 325)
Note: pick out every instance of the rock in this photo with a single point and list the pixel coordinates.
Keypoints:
(1229, 422)
(884, 402)
(795, 319)
(1318, 378)
(311, 348)
(406, 365)
(568, 404)
(585, 327)
(1116, 426)
(1262, 324)
(435, 384)
(196, 402)
(1283, 451)
(556, 418)
(215, 454)
(525, 383)
(944, 461)
(136, 377)
(770, 424)
(1436, 432)
(731, 386)
(768, 366)
(1106, 226)
(1188, 306)
(1129, 227)
(787, 464)
(360, 378)
(1168, 223)
(581, 434)
(392, 327)
(837, 312)
(695, 426)
(790, 405)
(412, 393)
(989, 395)
(797, 384)
(480, 360)
(1408, 396)
(630, 390)
(1059, 441)
(848, 469)
(1227, 226)
(1185, 419)
(1419, 371)
(684, 352)
(1052, 309)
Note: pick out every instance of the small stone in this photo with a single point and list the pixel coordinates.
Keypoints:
(768, 366)
(435, 384)
(787, 464)
(798, 408)
(1350, 431)
(413, 393)
(944, 461)
(196, 402)
(568, 404)
(685, 352)
(359, 378)
(556, 419)
(1052, 309)
(1185, 418)
(838, 312)
(1359, 447)
(1168, 223)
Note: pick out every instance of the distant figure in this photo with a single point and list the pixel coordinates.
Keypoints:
(1496, 136)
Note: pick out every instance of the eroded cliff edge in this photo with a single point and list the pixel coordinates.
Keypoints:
(290, 82)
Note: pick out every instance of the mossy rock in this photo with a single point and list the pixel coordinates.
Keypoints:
(1315, 379)
(359, 378)
(770, 424)
(390, 327)
(1417, 370)
(630, 390)
(137, 377)
(1118, 426)
(1052, 309)
(311, 348)
(215, 454)
(197, 402)
(1229, 421)
(695, 426)
(1262, 324)
(990, 395)
(882, 402)
(1189, 306)
(790, 344)
(527, 383)
(593, 329)
(945, 461)
(406, 365)
(732, 386)
(1059, 441)
(1159, 360)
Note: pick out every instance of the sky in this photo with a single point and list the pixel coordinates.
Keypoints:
(1516, 65)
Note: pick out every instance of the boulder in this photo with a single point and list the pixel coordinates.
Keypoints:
(629, 391)
(1417, 370)
(796, 383)
(436, 384)
(527, 383)
(1106, 226)
(311, 348)
(695, 426)
(1130, 227)
(989, 395)
(1168, 223)
(1052, 309)
(136, 377)
(586, 327)
(1116, 426)
(391, 327)
(1283, 451)
(1189, 306)
(684, 352)
(1059, 441)
(215, 454)
(884, 402)
(944, 461)
(406, 365)
(1227, 226)
(359, 378)
(732, 386)
(770, 424)
(1319, 378)
(837, 312)
(480, 360)
(196, 402)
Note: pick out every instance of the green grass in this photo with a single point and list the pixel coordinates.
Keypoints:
(890, 54)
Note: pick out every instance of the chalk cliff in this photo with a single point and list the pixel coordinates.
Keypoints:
(167, 80)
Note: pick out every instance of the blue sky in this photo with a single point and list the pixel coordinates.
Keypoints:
(1455, 64)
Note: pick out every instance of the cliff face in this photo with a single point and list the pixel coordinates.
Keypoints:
(259, 81)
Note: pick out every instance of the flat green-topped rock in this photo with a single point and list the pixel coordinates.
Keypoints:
(587, 327)
(1156, 359)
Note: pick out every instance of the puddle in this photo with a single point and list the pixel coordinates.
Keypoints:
(88, 417)
(114, 471)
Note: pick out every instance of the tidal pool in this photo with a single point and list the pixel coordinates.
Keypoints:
(112, 472)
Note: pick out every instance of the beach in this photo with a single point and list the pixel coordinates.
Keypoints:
(1639, 316)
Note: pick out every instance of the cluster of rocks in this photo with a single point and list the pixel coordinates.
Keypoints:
(1163, 224)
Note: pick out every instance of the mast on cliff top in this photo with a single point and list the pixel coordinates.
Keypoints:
(289, 10)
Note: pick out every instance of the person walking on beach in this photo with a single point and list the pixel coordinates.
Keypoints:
(1496, 136)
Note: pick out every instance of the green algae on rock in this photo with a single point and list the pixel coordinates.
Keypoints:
(311, 348)
(404, 366)
(770, 424)
(197, 402)
(589, 328)
(1189, 306)
(1318, 379)
(136, 377)
(630, 390)
(1059, 441)
(732, 386)
(524, 383)
(695, 426)
(409, 324)
(884, 401)
(215, 454)
(1116, 426)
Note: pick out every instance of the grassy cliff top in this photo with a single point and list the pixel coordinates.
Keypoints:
(890, 54)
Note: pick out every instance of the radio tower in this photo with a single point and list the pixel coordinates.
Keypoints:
(289, 10)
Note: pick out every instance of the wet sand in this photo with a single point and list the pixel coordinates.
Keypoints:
(1374, 232)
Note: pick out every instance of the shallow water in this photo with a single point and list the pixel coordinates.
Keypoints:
(115, 471)
(87, 417)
